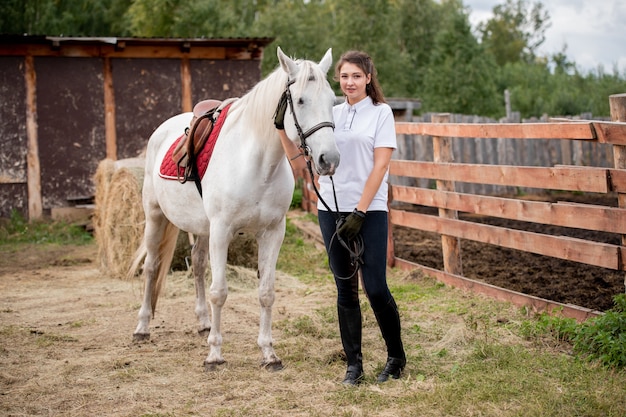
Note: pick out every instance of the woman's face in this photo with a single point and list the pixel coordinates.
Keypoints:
(352, 81)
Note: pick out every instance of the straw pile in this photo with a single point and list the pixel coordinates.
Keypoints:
(118, 217)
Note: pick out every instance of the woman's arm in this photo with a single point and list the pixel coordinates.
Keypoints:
(294, 155)
(382, 158)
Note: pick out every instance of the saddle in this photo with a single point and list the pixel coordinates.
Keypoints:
(197, 133)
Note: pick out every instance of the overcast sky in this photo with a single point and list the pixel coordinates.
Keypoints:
(594, 31)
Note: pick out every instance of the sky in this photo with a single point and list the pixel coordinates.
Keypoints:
(594, 32)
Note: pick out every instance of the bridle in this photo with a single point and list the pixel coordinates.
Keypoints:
(355, 252)
(287, 99)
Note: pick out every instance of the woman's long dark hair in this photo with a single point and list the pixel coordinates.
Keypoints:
(363, 61)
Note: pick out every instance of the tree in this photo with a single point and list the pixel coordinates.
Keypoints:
(62, 17)
(418, 22)
(460, 77)
(515, 31)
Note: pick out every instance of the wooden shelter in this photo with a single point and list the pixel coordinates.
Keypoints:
(68, 103)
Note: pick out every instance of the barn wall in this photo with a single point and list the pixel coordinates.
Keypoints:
(13, 144)
(147, 92)
(93, 98)
(70, 121)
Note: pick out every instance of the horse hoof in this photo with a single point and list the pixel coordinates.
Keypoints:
(212, 366)
(204, 332)
(140, 337)
(273, 366)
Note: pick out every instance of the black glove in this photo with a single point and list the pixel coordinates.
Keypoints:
(351, 227)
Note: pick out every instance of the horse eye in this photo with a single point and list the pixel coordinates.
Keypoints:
(300, 101)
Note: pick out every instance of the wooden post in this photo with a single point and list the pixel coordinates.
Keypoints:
(451, 246)
(35, 206)
(185, 75)
(617, 104)
(110, 134)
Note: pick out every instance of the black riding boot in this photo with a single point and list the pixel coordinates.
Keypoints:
(351, 331)
(389, 323)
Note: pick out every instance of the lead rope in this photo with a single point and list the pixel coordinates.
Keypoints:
(358, 246)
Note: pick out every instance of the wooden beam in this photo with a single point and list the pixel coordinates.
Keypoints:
(578, 250)
(573, 130)
(617, 105)
(613, 133)
(451, 246)
(185, 75)
(535, 304)
(566, 214)
(110, 133)
(35, 206)
(555, 178)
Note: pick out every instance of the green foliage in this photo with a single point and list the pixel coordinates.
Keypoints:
(459, 77)
(423, 49)
(18, 230)
(296, 198)
(515, 31)
(601, 339)
(302, 258)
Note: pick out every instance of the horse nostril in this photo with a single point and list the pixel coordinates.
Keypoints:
(322, 161)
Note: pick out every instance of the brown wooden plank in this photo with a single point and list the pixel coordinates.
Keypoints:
(110, 133)
(611, 132)
(578, 250)
(185, 76)
(535, 304)
(451, 246)
(573, 130)
(35, 202)
(138, 51)
(553, 178)
(581, 216)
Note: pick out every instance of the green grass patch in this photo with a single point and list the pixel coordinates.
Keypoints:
(17, 229)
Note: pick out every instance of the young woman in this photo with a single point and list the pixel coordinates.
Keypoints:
(357, 241)
(366, 137)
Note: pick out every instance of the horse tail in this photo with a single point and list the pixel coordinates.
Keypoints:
(167, 246)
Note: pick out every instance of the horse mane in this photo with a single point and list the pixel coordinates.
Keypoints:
(266, 94)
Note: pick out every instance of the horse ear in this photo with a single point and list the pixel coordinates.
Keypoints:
(288, 64)
(326, 62)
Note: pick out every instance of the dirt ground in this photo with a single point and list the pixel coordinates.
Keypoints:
(66, 345)
(553, 279)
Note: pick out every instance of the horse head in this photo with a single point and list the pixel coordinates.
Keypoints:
(310, 120)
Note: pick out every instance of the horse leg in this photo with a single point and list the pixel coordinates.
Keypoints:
(153, 234)
(218, 252)
(269, 242)
(199, 258)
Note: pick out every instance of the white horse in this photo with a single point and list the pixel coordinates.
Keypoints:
(247, 187)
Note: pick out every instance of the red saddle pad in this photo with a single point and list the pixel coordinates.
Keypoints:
(169, 168)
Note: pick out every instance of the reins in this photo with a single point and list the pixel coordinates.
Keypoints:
(359, 247)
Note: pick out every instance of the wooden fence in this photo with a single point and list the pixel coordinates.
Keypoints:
(443, 175)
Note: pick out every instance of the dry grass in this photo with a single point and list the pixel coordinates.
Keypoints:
(66, 350)
(118, 218)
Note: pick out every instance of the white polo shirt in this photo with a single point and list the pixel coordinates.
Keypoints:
(358, 130)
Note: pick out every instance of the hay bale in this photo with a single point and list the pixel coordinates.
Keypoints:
(243, 251)
(123, 221)
(101, 179)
